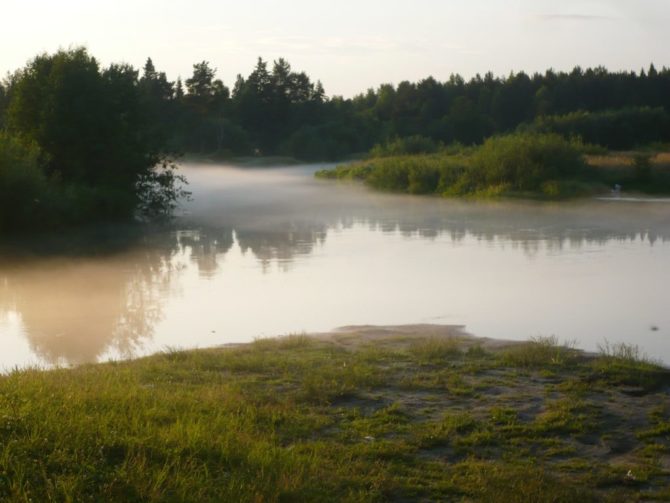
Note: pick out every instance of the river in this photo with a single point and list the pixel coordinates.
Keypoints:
(267, 251)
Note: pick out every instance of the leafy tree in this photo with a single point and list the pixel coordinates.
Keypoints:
(56, 103)
(94, 130)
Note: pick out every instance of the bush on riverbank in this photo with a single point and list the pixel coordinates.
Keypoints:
(523, 163)
(411, 145)
(540, 164)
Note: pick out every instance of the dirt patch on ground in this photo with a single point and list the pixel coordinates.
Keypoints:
(399, 336)
(462, 397)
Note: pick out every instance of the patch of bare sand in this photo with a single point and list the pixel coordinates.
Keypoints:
(398, 336)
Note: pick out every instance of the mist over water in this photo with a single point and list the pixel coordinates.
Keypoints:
(268, 251)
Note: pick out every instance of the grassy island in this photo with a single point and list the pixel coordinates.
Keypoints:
(421, 413)
(534, 165)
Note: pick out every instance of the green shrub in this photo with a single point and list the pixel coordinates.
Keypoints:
(358, 171)
(420, 174)
(423, 180)
(546, 165)
(410, 145)
(391, 174)
(524, 161)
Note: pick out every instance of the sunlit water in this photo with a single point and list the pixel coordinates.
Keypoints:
(262, 252)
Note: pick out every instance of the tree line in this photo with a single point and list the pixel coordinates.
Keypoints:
(278, 111)
(78, 140)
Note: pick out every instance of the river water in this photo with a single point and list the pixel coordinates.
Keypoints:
(263, 252)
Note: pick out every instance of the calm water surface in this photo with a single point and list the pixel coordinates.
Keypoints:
(262, 252)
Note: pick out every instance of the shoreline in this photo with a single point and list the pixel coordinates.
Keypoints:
(365, 413)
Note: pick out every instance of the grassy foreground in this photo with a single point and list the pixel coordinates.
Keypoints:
(404, 414)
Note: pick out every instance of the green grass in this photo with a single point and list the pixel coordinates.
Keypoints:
(436, 350)
(540, 352)
(625, 364)
(301, 419)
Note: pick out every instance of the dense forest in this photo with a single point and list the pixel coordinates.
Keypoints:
(80, 142)
(278, 111)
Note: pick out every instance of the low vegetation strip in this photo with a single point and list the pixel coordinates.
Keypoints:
(535, 165)
(406, 415)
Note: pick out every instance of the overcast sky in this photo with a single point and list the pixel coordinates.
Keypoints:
(350, 45)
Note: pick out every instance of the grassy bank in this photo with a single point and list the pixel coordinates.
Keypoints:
(364, 415)
(530, 165)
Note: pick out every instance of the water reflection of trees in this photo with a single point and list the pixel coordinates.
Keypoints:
(76, 307)
(531, 229)
(281, 245)
(205, 247)
(77, 303)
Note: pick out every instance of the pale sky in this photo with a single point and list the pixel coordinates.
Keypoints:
(350, 45)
